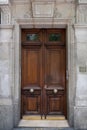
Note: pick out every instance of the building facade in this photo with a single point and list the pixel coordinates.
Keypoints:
(16, 15)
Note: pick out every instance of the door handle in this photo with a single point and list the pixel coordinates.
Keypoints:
(31, 90)
(45, 86)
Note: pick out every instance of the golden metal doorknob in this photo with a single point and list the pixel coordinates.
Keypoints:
(55, 90)
(31, 90)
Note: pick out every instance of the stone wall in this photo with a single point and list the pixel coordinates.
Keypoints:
(81, 89)
(25, 14)
(80, 113)
(21, 13)
(69, 14)
(6, 107)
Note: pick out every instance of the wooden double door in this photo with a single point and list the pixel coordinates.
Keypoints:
(43, 72)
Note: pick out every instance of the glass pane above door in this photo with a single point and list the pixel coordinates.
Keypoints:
(32, 37)
(55, 37)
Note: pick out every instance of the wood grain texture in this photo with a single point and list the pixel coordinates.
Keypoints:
(43, 72)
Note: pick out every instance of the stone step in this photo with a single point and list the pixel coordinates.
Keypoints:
(43, 129)
(43, 124)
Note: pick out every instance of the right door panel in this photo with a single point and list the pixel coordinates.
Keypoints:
(55, 74)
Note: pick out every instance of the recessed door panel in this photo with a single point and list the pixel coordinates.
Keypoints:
(55, 104)
(31, 66)
(54, 66)
(55, 80)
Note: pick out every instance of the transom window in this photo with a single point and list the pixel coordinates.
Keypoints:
(32, 37)
(55, 37)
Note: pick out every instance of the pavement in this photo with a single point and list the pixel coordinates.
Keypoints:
(43, 129)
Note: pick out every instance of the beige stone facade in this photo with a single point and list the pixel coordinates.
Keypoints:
(18, 14)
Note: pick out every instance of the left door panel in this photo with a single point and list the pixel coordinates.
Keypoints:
(31, 77)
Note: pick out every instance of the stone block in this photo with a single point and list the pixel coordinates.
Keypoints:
(81, 34)
(5, 90)
(43, 9)
(43, 128)
(82, 1)
(5, 35)
(16, 113)
(4, 51)
(5, 2)
(65, 10)
(82, 53)
(81, 91)
(80, 118)
(24, 129)
(6, 117)
(5, 101)
(22, 11)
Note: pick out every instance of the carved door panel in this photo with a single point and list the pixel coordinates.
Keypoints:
(31, 71)
(43, 72)
(55, 80)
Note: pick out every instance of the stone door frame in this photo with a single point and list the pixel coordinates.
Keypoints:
(71, 60)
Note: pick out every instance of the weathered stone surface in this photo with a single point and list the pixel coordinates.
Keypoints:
(80, 120)
(81, 13)
(43, 9)
(6, 107)
(24, 129)
(57, 129)
(5, 90)
(4, 1)
(5, 35)
(82, 1)
(80, 110)
(6, 117)
(5, 14)
(43, 129)
(16, 113)
(81, 33)
(63, 14)
(82, 54)
(5, 101)
(5, 40)
(58, 9)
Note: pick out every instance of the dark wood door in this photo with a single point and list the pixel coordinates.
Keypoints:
(43, 72)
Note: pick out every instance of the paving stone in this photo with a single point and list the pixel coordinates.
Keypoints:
(24, 129)
(43, 129)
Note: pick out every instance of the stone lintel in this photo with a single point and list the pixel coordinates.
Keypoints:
(44, 22)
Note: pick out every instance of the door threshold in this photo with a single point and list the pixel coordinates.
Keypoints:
(43, 123)
(38, 117)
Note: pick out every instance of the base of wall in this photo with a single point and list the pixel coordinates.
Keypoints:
(6, 117)
(43, 129)
(80, 117)
(16, 114)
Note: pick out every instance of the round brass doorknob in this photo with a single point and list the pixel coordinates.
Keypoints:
(31, 90)
(55, 90)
